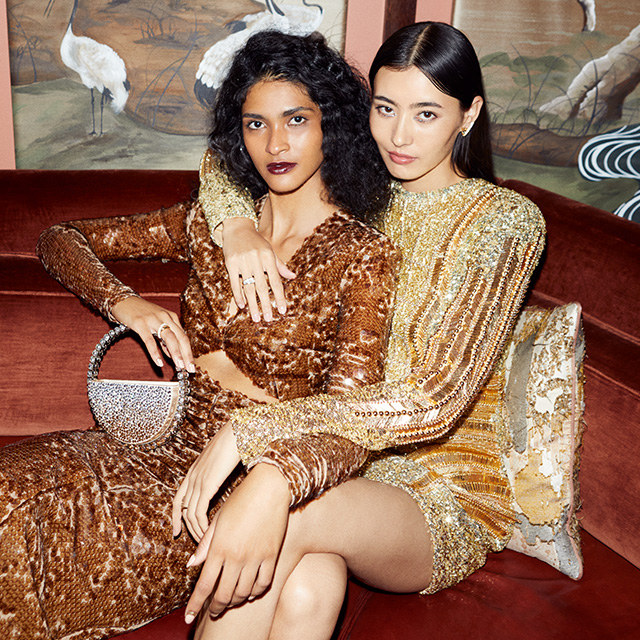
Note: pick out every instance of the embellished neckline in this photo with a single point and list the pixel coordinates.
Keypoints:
(436, 194)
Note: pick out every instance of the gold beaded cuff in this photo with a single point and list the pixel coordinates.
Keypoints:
(221, 197)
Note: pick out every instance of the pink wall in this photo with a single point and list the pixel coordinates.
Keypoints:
(365, 26)
(436, 10)
(7, 155)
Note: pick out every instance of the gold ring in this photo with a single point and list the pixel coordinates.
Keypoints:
(161, 328)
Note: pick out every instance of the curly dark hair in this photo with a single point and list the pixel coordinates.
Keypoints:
(445, 55)
(352, 171)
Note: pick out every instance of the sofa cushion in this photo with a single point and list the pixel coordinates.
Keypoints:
(542, 364)
(611, 445)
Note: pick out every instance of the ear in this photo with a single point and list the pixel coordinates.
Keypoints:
(472, 113)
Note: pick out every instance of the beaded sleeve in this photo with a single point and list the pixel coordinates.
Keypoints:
(73, 252)
(472, 285)
(221, 197)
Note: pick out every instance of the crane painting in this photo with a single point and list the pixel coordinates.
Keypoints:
(129, 83)
(216, 61)
(98, 66)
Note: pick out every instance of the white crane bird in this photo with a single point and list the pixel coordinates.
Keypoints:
(98, 66)
(216, 61)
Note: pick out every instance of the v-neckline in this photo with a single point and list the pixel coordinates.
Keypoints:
(304, 246)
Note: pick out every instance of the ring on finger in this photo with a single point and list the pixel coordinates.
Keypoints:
(161, 328)
(249, 280)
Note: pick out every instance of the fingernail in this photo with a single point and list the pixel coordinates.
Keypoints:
(282, 309)
(255, 318)
(180, 364)
(268, 317)
(191, 560)
(159, 362)
(191, 368)
(189, 617)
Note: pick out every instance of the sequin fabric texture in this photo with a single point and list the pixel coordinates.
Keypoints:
(468, 254)
(86, 549)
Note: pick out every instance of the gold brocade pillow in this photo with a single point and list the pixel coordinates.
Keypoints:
(542, 364)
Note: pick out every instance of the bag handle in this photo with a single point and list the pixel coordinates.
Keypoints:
(107, 340)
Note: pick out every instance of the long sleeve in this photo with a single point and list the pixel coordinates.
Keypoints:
(221, 197)
(316, 462)
(457, 304)
(73, 252)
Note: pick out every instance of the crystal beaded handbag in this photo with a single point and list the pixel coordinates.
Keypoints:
(136, 413)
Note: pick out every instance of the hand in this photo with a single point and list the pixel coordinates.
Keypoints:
(247, 254)
(203, 480)
(145, 318)
(240, 549)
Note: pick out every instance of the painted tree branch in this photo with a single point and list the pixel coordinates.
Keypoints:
(598, 92)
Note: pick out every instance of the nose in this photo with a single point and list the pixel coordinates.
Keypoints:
(401, 134)
(277, 141)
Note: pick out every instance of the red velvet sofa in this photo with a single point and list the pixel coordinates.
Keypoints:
(592, 257)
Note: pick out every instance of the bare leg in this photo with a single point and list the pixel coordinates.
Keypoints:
(313, 592)
(379, 532)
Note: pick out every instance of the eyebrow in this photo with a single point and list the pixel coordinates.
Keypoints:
(288, 112)
(415, 105)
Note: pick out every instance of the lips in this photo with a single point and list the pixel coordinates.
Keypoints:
(400, 158)
(278, 168)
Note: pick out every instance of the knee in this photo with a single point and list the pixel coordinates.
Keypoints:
(318, 597)
(300, 601)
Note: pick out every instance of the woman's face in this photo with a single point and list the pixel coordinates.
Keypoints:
(282, 132)
(415, 126)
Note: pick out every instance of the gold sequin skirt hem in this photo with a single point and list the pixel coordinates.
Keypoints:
(460, 543)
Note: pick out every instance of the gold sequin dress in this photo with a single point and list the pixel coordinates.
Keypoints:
(433, 426)
(86, 549)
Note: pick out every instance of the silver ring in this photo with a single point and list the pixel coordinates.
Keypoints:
(161, 328)
(249, 280)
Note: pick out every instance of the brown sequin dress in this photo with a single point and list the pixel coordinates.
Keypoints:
(434, 426)
(86, 549)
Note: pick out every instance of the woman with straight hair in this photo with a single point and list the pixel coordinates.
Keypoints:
(432, 496)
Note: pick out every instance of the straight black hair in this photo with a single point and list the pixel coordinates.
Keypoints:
(445, 55)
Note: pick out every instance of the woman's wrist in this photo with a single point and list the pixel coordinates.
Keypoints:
(233, 226)
(269, 476)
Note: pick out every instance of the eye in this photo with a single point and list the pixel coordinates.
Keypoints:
(254, 125)
(425, 116)
(297, 120)
(385, 110)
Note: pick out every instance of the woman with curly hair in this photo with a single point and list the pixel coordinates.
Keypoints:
(86, 546)
(432, 498)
